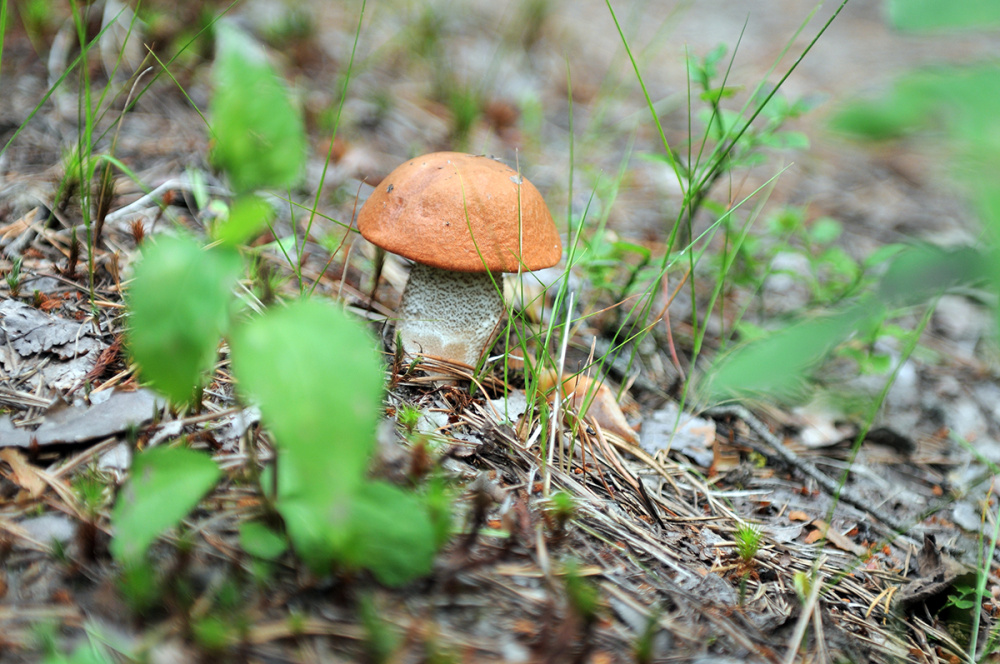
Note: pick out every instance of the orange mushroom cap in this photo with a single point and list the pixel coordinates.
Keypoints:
(430, 209)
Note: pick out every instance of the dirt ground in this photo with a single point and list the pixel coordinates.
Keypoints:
(653, 532)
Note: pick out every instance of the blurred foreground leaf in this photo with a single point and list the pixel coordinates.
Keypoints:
(179, 302)
(260, 541)
(259, 136)
(166, 483)
(318, 380)
(247, 216)
(780, 363)
(921, 272)
(944, 14)
(393, 534)
(963, 99)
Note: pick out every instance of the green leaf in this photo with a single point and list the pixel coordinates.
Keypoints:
(318, 527)
(621, 248)
(247, 216)
(318, 380)
(925, 271)
(85, 654)
(780, 363)
(166, 483)
(260, 541)
(716, 94)
(393, 534)
(943, 14)
(180, 303)
(825, 230)
(260, 139)
(793, 140)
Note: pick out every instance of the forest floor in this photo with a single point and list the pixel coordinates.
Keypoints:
(879, 568)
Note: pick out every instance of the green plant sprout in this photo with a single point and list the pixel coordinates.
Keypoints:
(380, 638)
(748, 537)
(13, 277)
(728, 141)
(408, 417)
(559, 509)
(323, 429)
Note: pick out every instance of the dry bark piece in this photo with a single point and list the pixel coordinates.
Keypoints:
(36, 336)
(66, 424)
(463, 219)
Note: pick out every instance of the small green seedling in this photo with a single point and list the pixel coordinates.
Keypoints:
(585, 603)
(408, 416)
(166, 483)
(381, 640)
(313, 371)
(749, 537)
(644, 649)
(13, 277)
(559, 509)
(803, 584)
(584, 599)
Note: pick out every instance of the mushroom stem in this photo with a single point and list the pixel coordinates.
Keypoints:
(451, 315)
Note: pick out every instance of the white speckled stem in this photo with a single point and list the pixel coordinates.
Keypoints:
(452, 315)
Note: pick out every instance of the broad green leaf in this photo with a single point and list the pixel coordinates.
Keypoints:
(877, 120)
(180, 303)
(964, 99)
(780, 363)
(630, 247)
(319, 538)
(924, 271)
(393, 534)
(260, 541)
(318, 380)
(85, 654)
(166, 483)
(944, 14)
(259, 136)
(247, 216)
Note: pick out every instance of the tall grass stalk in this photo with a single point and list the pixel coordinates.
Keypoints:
(329, 152)
(696, 180)
(84, 144)
(3, 31)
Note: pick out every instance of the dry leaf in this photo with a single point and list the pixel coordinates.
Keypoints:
(15, 228)
(688, 434)
(31, 334)
(833, 537)
(23, 473)
(584, 390)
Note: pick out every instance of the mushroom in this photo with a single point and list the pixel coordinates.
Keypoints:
(462, 220)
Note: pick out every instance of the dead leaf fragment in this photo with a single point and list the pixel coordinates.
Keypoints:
(14, 229)
(692, 436)
(842, 542)
(938, 575)
(64, 350)
(23, 473)
(590, 397)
